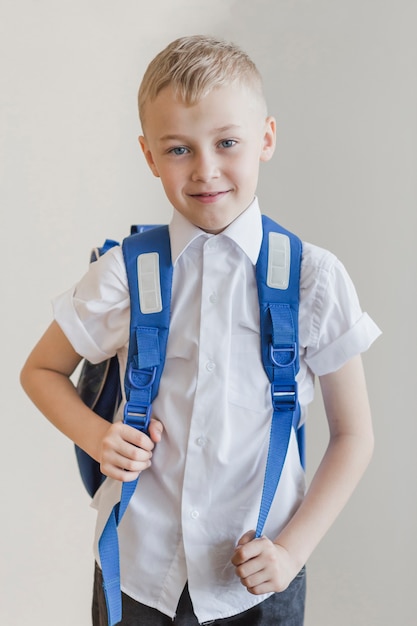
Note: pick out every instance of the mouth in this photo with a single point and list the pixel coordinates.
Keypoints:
(209, 196)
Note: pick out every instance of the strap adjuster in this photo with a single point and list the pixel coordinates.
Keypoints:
(284, 396)
(137, 416)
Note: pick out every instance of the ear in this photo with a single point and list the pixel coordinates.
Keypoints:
(148, 155)
(269, 139)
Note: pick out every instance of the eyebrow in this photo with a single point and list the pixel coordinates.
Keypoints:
(215, 131)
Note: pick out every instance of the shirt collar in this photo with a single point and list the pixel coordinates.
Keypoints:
(245, 231)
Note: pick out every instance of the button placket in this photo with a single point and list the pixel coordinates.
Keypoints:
(211, 337)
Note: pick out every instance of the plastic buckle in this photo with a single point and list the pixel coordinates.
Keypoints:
(136, 376)
(137, 416)
(284, 396)
(276, 352)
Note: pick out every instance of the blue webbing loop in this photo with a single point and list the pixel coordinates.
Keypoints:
(148, 349)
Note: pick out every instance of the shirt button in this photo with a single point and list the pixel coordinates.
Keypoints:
(213, 298)
(210, 366)
(212, 243)
(201, 441)
(195, 514)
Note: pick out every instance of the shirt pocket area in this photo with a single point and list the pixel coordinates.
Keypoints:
(249, 386)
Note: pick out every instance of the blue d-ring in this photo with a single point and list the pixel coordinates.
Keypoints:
(151, 374)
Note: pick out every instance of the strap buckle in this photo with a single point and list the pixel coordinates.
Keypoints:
(283, 355)
(284, 396)
(137, 410)
(137, 416)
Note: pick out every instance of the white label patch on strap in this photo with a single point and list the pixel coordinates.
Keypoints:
(149, 283)
(279, 260)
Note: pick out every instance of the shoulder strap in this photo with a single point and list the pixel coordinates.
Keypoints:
(147, 257)
(278, 279)
(150, 278)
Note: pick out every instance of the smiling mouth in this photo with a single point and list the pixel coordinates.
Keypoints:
(210, 196)
(208, 193)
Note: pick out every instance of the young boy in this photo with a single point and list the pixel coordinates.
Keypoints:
(187, 547)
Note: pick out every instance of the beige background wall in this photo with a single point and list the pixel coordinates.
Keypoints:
(341, 79)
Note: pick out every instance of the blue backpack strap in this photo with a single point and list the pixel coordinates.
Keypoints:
(150, 297)
(278, 278)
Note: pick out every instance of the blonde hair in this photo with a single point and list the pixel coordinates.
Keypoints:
(193, 66)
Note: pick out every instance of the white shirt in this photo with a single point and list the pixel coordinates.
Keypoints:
(204, 487)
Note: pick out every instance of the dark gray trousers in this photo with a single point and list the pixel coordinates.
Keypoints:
(281, 609)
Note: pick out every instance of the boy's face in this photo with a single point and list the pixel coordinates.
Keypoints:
(207, 154)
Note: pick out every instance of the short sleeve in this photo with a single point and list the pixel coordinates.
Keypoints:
(94, 315)
(333, 327)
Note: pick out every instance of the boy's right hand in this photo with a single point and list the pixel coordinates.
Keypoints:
(126, 452)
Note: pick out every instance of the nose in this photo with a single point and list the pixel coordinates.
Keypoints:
(205, 168)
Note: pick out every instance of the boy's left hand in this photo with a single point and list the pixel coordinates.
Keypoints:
(263, 566)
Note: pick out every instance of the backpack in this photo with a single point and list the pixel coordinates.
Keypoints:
(147, 257)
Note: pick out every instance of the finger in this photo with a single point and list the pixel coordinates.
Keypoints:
(119, 474)
(155, 430)
(123, 468)
(132, 467)
(136, 437)
(247, 571)
(246, 549)
(246, 538)
(120, 453)
(259, 589)
(127, 442)
(255, 581)
(130, 457)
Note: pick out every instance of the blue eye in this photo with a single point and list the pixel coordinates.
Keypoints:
(227, 143)
(179, 151)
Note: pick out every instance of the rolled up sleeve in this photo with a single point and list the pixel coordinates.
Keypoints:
(354, 341)
(333, 326)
